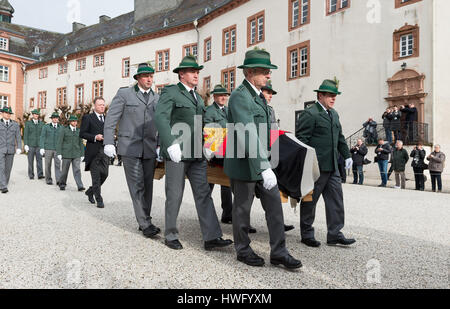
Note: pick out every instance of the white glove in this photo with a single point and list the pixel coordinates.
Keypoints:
(82, 159)
(175, 153)
(18, 151)
(110, 151)
(60, 157)
(270, 179)
(42, 152)
(26, 148)
(158, 153)
(348, 163)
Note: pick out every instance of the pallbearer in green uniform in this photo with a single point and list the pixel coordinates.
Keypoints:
(10, 144)
(31, 136)
(47, 144)
(217, 114)
(70, 150)
(179, 119)
(319, 127)
(249, 169)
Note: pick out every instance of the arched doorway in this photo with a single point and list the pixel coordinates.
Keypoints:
(406, 87)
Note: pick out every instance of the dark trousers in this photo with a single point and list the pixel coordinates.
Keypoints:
(244, 195)
(139, 174)
(436, 177)
(388, 134)
(35, 154)
(330, 187)
(227, 201)
(99, 169)
(358, 173)
(420, 179)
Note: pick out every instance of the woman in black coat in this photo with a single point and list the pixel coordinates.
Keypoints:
(418, 154)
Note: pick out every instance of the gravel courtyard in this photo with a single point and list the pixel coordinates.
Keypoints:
(54, 239)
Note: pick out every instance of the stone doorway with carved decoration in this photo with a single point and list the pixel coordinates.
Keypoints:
(407, 87)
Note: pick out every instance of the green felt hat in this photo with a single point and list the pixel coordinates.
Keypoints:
(188, 62)
(257, 58)
(7, 110)
(73, 118)
(36, 112)
(54, 115)
(220, 89)
(144, 68)
(268, 87)
(329, 86)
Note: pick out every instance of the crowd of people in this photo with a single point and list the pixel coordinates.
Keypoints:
(140, 129)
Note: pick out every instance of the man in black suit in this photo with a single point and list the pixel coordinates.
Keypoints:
(95, 159)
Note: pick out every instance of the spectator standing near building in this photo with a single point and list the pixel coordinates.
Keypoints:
(359, 152)
(387, 119)
(396, 123)
(436, 167)
(383, 150)
(418, 154)
(410, 121)
(370, 131)
(399, 159)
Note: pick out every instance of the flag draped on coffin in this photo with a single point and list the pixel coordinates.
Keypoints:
(294, 163)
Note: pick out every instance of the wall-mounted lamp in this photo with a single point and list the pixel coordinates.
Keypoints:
(404, 65)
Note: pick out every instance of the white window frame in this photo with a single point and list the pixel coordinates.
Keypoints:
(4, 73)
(406, 45)
(4, 44)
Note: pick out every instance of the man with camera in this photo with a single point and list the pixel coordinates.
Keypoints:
(383, 150)
(359, 152)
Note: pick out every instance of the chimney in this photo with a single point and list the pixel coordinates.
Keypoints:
(104, 18)
(142, 8)
(77, 26)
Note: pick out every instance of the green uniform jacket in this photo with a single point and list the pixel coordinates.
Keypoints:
(69, 144)
(177, 106)
(214, 114)
(247, 108)
(32, 133)
(49, 137)
(399, 159)
(316, 129)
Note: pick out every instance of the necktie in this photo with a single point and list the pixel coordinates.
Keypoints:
(7, 124)
(330, 115)
(263, 98)
(101, 118)
(193, 95)
(146, 97)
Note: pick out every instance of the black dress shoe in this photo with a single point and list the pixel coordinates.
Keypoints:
(31, 178)
(311, 242)
(62, 188)
(90, 196)
(100, 205)
(251, 230)
(174, 244)
(288, 228)
(81, 189)
(42, 177)
(342, 241)
(287, 261)
(151, 231)
(227, 220)
(252, 260)
(50, 183)
(4, 191)
(217, 243)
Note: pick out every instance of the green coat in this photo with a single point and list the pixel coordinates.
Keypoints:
(32, 133)
(177, 106)
(399, 159)
(69, 144)
(247, 108)
(49, 137)
(316, 129)
(214, 114)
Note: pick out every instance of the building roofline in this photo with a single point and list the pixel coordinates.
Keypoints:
(186, 26)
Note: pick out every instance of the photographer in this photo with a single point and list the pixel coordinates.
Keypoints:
(396, 124)
(387, 124)
(383, 150)
(359, 152)
(418, 154)
(436, 166)
(411, 121)
(370, 131)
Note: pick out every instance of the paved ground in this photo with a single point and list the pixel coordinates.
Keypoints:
(53, 239)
